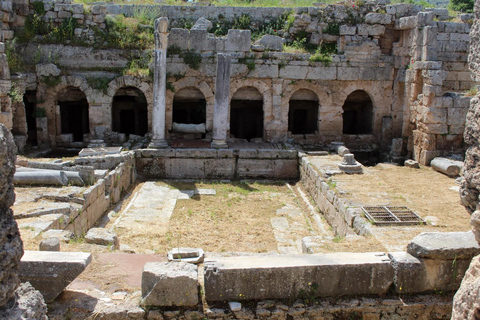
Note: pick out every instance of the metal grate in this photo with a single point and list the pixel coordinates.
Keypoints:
(383, 215)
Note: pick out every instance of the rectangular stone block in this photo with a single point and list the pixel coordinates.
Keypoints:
(153, 168)
(196, 153)
(167, 284)
(187, 168)
(322, 73)
(51, 272)
(414, 275)
(286, 169)
(286, 276)
(238, 40)
(255, 168)
(220, 168)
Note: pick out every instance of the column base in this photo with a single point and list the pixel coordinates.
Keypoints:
(96, 143)
(219, 144)
(158, 144)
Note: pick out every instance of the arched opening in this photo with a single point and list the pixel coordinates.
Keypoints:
(357, 113)
(246, 114)
(30, 101)
(189, 106)
(129, 111)
(303, 112)
(73, 112)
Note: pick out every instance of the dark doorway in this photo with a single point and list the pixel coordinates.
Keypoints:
(189, 106)
(73, 112)
(303, 112)
(246, 114)
(30, 101)
(129, 111)
(357, 113)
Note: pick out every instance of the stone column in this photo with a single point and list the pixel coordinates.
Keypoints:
(159, 84)
(222, 93)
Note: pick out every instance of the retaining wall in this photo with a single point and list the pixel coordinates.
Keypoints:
(105, 192)
(217, 164)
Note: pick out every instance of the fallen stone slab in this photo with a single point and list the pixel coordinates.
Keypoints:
(103, 237)
(415, 275)
(63, 235)
(51, 272)
(50, 244)
(204, 192)
(166, 284)
(189, 255)
(412, 164)
(87, 152)
(444, 245)
(287, 276)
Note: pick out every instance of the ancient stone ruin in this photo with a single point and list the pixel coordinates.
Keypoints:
(136, 126)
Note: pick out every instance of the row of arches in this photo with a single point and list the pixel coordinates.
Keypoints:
(247, 116)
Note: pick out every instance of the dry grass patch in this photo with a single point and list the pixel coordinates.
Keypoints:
(237, 218)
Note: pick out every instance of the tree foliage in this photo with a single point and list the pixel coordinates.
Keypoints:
(462, 5)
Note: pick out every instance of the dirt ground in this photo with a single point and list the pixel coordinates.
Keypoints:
(237, 218)
(432, 195)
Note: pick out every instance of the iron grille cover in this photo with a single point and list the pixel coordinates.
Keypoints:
(392, 215)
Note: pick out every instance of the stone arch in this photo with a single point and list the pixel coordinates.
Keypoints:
(190, 82)
(358, 113)
(303, 112)
(324, 100)
(73, 113)
(189, 106)
(130, 111)
(264, 91)
(372, 90)
(134, 82)
(49, 102)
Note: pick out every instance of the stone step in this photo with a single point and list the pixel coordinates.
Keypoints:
(51, 272)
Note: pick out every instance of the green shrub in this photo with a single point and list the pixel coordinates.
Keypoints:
(15, 94)
(192, 59)
(332, 28)
(40, 112)
(15, 61)
(324, 53)
(51, 81)
(127, 33)
(39, 8)
(243, 22)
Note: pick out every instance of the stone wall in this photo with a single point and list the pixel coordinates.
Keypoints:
(105, 192)
(11, 245)
(217, 164)
(406, 59)
(465, 305)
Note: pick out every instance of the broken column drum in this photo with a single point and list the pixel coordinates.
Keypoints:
(159, 83)
(350, 165)
(222, 92)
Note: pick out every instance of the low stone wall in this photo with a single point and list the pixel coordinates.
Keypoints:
(415, 307)
(335, 209)
(105, 192)
(217, 164)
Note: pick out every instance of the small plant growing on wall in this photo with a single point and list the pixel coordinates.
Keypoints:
(15, 94)
(192, 59)
(40, 112)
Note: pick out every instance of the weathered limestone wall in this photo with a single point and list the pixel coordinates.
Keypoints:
(405, 58)
(466, 302)
(217, 164)
(11, 245)
(5, 86)
(105, 192)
